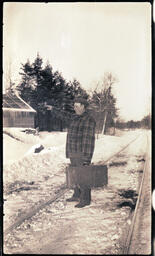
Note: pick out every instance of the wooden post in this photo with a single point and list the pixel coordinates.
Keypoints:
(104, 122)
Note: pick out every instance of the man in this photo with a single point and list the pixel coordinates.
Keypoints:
(80, 147)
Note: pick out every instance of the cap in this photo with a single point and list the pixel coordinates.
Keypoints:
(81, 100)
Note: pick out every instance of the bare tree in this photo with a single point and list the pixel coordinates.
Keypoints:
(103, 99)
(8, 82)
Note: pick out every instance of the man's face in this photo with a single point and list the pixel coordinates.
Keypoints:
(79, 108)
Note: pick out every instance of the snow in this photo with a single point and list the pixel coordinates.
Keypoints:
(102, 223)
(13, 150)
(21, 163)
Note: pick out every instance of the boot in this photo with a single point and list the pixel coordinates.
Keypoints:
(75, 196)
(85, 198)
(82, 204)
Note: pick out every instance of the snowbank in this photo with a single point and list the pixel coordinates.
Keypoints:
(18, 134)
(51, 160)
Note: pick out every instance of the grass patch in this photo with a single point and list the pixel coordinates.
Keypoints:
(128, 193)
(141, 171)
(18, 186)
(118, 163)
(130, 198)
(141, 160)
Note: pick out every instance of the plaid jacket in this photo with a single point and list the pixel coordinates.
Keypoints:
(81, 137)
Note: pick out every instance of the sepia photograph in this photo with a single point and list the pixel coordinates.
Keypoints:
(77, 118)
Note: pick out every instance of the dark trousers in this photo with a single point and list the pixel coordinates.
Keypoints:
(83, 192)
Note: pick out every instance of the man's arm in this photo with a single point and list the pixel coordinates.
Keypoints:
(66, 116)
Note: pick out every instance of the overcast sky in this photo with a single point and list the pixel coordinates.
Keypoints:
(84, 40)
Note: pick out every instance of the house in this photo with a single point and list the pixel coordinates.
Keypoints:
(16, 112)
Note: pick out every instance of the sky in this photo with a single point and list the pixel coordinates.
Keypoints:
(83, 41)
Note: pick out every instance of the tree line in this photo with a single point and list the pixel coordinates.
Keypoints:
(42, 86)
(145, 123)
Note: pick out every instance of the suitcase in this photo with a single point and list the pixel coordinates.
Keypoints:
(91, 175)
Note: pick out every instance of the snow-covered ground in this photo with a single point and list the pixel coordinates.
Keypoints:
(22, 164)
(46, 171)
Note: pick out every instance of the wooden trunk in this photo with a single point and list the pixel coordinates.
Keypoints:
(92, 175)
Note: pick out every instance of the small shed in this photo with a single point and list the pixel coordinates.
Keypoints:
(16, 112)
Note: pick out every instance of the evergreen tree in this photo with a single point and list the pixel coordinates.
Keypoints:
(78, 90)
(37, 76)
(42, 87)
(146, 122)
(27, 87)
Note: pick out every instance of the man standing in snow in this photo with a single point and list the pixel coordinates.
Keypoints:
(80, 147)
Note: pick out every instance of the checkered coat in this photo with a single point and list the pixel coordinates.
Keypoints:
(81, 137)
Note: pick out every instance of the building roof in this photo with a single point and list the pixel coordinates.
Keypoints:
(15, 102)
